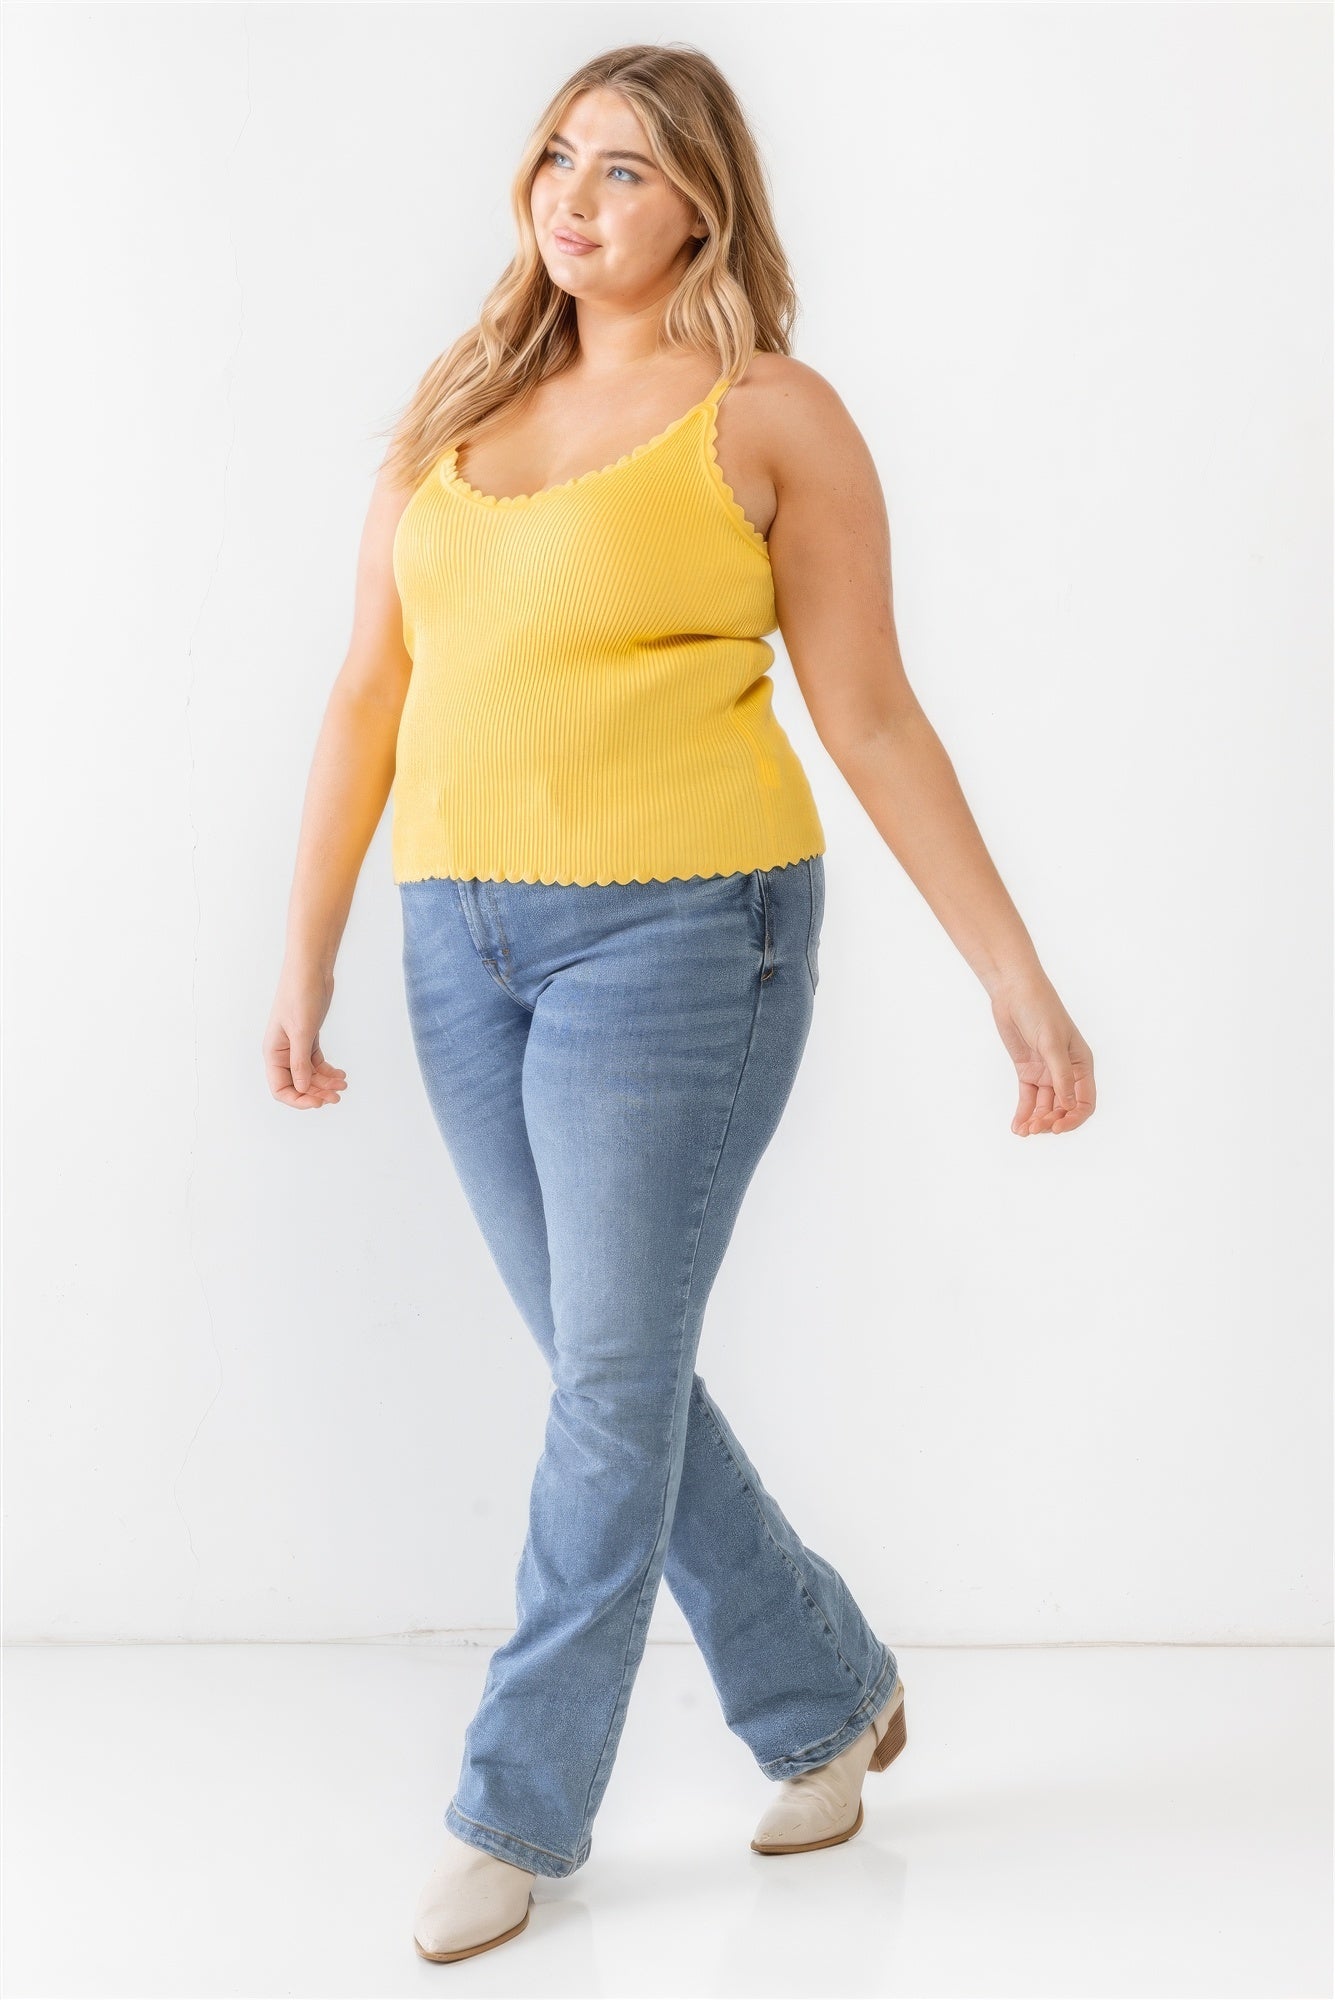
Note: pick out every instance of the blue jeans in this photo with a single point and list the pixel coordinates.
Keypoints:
(606, 1066)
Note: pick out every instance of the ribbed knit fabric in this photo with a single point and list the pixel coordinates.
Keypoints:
(590, 698)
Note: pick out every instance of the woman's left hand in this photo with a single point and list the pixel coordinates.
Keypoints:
(1052, 1059)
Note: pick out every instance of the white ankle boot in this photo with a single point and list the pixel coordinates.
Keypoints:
(822, 1807)
(471, 1901)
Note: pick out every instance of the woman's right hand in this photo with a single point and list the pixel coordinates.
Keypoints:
(294, 1065)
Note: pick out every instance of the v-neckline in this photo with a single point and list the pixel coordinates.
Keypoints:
(452, 475)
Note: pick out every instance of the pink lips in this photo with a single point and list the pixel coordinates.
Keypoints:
(575, 245)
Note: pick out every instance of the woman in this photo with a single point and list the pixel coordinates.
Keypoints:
(611, 871)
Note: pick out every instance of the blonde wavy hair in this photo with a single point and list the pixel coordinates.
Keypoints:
(735, 298)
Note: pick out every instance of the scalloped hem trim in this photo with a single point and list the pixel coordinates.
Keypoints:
(606, 881)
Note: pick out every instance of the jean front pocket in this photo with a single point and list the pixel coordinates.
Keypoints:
(815, 867)
(764, 912)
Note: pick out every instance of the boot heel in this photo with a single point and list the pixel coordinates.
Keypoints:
(890, 1745)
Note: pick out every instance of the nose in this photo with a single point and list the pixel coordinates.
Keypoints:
(577, 202)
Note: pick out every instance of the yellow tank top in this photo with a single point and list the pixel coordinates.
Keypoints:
(590, 698)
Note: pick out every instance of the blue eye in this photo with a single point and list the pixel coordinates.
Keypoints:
(554, 155)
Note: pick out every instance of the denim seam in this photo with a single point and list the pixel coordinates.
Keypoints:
(479, 943)
(686, 1306)
(811, 922)
(505, 985)
(747, 1487)
(479, 947)
(501, 1834)
(496, 919)
(767, 949)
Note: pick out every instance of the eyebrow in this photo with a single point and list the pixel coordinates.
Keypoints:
(607, 153)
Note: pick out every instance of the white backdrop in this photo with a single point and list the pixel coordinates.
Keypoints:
(1070, 269)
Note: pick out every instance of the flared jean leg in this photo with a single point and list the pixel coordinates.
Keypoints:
(648, 1137)
(798, 1670)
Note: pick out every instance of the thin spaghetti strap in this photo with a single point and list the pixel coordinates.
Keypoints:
(719, 390)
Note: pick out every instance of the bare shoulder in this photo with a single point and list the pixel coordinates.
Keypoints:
(829, 550)
(378, 664)
(391, 491)
(795, 415)
(375, 561)
(782, 381)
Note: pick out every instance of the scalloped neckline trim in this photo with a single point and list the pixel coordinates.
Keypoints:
(455, 478)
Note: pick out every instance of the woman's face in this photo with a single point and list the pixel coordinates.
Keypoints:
(598, 183)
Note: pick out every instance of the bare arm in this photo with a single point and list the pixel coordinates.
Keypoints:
(351, 775)
(830, 551)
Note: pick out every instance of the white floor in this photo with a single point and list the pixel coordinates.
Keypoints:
(257, 1820)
